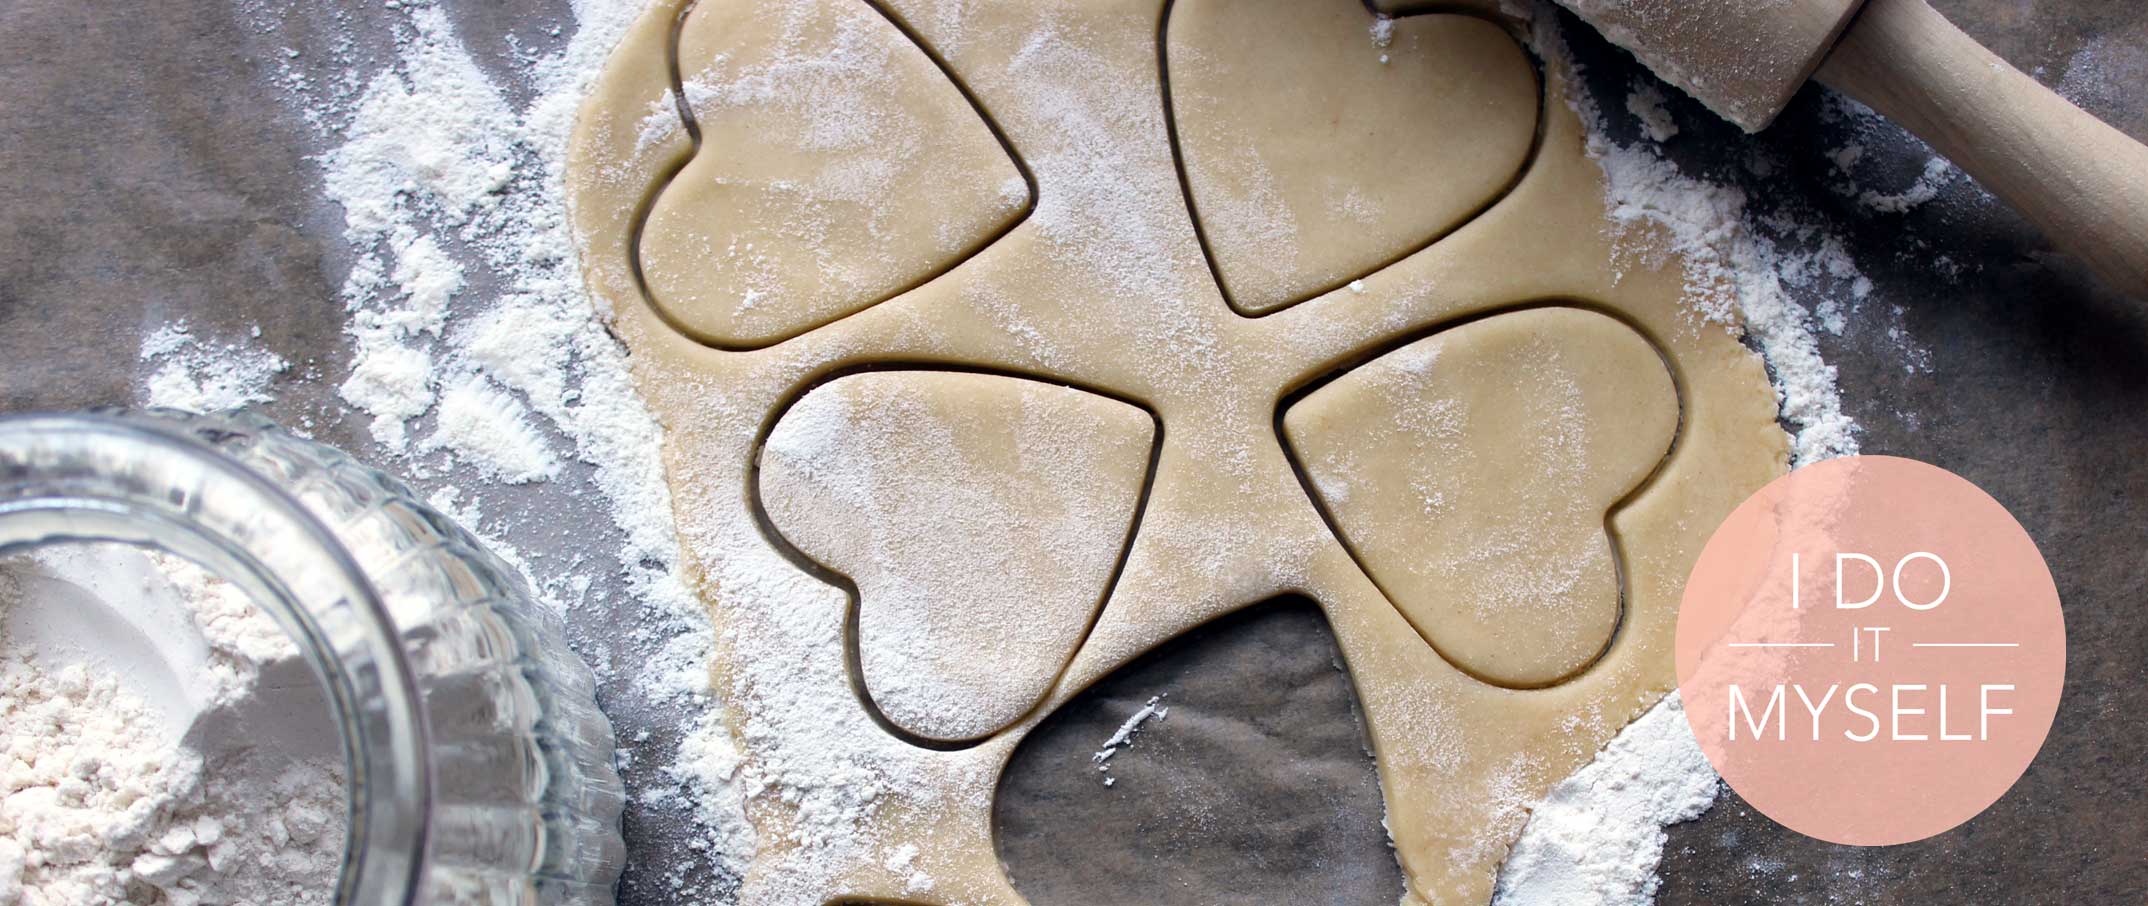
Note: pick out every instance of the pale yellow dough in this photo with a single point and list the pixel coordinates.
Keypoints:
(1599, 430)
(1470, 472)
(1012, 497)
(1313, 166)
(841, 168)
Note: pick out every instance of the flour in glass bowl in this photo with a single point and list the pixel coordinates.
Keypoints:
(165, 745)
(486, 374)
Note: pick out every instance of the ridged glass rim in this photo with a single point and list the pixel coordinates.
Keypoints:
(148, 481)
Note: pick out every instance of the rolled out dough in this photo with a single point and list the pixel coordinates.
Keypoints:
(1102, 282)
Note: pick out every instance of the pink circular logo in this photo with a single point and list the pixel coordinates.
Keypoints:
(1871, 650)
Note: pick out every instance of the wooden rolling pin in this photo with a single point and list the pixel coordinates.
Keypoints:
(2080, 180)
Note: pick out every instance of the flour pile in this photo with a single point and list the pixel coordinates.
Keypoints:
(164, 745)
(1598, 836)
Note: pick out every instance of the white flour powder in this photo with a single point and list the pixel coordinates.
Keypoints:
(163, 746)
(1737, 271)
(1598, 836)
(1646, 105)
(1154, 710)
(202, 376)
(520, 394)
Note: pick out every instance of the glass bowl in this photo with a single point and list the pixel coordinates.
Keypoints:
(480, 768)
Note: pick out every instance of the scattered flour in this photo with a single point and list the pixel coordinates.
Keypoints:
(1646, 104)
(903, 860)
(109, 796)
(1383, 31)
(1847, 156)
(1154, 710)
(449, 181)
(1851, 162)
(2099, 76)
(201, 376)
(1937, 173)
(1738, 275)
(493, 432)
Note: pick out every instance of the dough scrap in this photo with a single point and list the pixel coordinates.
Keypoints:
(837, 167)
(1471, 471)
(1316, 161)
(1105, 285)
(981, 518)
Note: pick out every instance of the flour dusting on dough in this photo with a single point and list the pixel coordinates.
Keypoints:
(1011, 496)
(462, 172)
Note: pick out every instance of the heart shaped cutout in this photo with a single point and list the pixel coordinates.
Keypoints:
(1472, 474)
(1320, 142)
(836, 165)
(981, 519)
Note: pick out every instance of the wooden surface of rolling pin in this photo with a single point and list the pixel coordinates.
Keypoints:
(2081, 181)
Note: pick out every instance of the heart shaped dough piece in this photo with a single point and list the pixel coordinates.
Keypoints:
(837, 166)
(1471, 472)
(982, 519)
(1321, 144)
